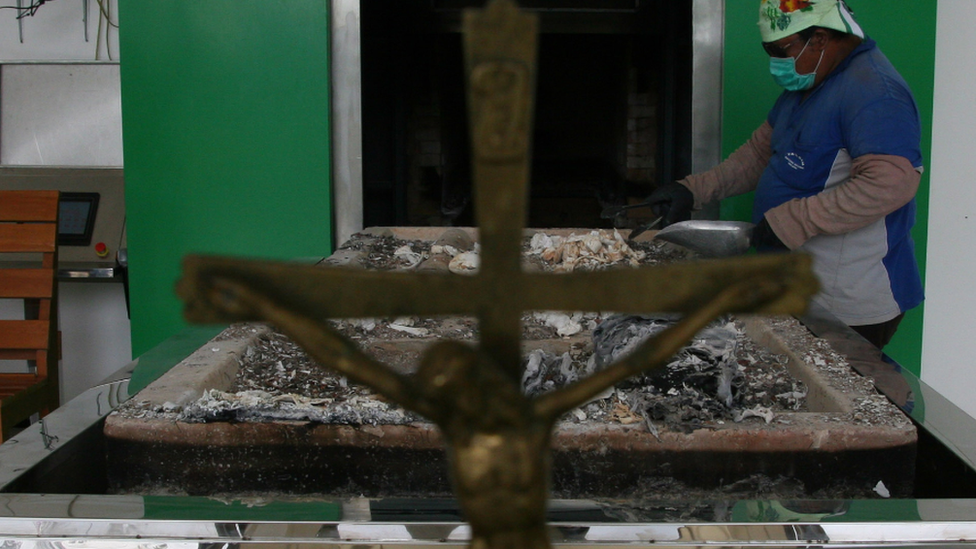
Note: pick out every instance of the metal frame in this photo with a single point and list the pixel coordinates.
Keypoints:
(194, 533)
(347, 119)
(708, 42)
(347, 116)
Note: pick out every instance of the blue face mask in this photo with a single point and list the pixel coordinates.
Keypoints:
(784, 72)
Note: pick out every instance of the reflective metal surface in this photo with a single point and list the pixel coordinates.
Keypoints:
(347, 118)
(708, 41)
(934, 413)
(132, 521)
(709, 238)
(88, 271)
(40, 444)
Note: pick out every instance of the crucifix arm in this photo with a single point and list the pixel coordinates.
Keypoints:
(234, 299)
(656, 351)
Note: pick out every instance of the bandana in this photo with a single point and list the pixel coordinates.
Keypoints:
(781, 18)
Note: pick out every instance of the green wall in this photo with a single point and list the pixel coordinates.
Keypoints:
(226, 140)
(905, 32)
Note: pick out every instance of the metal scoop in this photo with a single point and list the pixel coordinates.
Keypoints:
(710, 238)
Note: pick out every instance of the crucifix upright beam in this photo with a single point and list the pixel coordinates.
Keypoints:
(500, 57)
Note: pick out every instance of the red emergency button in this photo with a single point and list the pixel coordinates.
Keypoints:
(101, 250)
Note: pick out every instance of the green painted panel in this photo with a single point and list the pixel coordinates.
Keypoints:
(212, 509)
(839, 511)
(748, 91)
(905, 31)
(226, 135)
(161, 358)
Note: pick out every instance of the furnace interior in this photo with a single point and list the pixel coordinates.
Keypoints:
(612, 114)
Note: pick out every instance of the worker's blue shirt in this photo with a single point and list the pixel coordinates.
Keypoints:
(869, 275)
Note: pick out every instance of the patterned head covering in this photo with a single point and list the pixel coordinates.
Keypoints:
(781, 18)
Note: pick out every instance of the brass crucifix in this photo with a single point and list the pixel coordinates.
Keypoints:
(497, 438)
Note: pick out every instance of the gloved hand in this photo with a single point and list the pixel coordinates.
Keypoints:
(765, 240)
(673, 202)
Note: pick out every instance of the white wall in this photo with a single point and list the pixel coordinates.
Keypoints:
(95, 339)
(60, 114)
(56, 32)
(59, 92)
(949, 338)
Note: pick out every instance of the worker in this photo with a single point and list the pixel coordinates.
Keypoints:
(835, 166)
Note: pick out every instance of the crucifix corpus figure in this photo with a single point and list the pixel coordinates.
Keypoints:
(497, 438)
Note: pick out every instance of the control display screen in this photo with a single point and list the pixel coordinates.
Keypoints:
(76, 218)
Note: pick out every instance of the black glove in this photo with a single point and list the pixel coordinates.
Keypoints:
(673, 202)
(765, 240)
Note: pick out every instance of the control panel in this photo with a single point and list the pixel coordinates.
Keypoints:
(91, 228)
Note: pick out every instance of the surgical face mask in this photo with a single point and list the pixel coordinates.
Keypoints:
(784, 72)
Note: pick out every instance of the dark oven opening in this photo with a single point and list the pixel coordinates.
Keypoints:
(612, 120)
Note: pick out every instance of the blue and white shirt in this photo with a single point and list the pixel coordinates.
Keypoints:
(863, 107)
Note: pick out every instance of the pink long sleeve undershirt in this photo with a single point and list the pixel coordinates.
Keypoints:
(879, 185)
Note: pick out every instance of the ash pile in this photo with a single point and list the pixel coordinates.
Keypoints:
(720, 376)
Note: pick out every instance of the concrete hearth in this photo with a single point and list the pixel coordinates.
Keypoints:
(846, 437)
